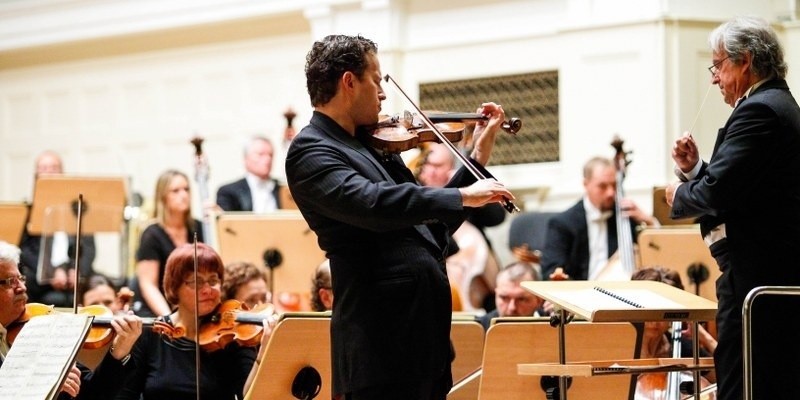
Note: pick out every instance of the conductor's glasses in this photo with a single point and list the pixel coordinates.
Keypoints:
(714, 68)
(12, 282)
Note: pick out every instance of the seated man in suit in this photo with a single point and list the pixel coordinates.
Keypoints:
(257, 191)
(511, 298)
(581, 239)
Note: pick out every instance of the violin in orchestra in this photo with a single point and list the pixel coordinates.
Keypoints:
(230, 321)
(100, 335)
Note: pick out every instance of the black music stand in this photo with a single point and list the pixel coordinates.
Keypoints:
(54, 209)
(281, 241)
(13, 216)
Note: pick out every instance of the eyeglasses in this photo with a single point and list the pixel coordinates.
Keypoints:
(12, 281)
(714, 68)
(201, 282)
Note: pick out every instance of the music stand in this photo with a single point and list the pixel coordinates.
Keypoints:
(296, 362)
(632, 301)
(282, 236)
(682, 250)
(103, 203)
(13, 216)
(513, 342)
(54, 209)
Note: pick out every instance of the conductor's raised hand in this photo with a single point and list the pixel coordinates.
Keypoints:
(483, 192)
(684, 152)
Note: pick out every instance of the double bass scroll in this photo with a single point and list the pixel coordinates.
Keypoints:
(201, 173)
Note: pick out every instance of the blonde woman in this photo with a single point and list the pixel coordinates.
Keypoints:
(173, 226)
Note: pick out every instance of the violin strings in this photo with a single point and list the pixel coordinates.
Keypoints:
(700, 110)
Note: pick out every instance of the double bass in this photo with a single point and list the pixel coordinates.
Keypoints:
(621, 265)
(201, 173)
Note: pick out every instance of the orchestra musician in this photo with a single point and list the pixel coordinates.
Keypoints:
(59, 250)
(386, 237)
(247, 283)
(511, 298)
(656, 340)
(747, 198)
(81, 383)
(172, 227)
(581, 239)
(257, 191)
(165, 366)
(473, 268)
(321, 292)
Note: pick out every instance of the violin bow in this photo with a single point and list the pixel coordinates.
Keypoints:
(507, 203)
(79, 215)
(196, 321)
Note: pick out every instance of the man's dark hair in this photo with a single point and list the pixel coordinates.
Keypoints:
(330, 58)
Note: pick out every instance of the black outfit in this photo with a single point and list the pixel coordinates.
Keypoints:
(486, 319)
(236, 196)
(165, 369)
(386, 238)
(752, 185)
(567, 244)
(157, 245)
(30, 247)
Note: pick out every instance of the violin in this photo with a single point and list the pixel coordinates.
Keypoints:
(100, 334)
(396, 134)
(230, 321)
(440, 136)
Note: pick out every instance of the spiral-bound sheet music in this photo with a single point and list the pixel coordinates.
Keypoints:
(633, 301)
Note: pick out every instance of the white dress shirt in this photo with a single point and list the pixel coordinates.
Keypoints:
(261, 193)
(597, 226)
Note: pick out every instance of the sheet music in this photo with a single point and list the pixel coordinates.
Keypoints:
(591, 299)
(41, 356)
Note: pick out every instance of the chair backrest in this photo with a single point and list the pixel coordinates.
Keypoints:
(529, 228)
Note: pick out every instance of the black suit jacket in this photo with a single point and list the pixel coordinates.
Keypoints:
(236, 196)
(386, 241)
(752, 184)
(567, 243)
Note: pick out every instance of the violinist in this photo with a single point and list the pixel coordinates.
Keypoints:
(386, 236)
(581, 239)
(81, 383)
(165, 365)
(172, 227)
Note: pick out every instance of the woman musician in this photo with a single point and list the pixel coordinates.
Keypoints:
(81, 383)
(173, 227)
(165, 365)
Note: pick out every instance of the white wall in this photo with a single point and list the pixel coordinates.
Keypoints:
(120, 86)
